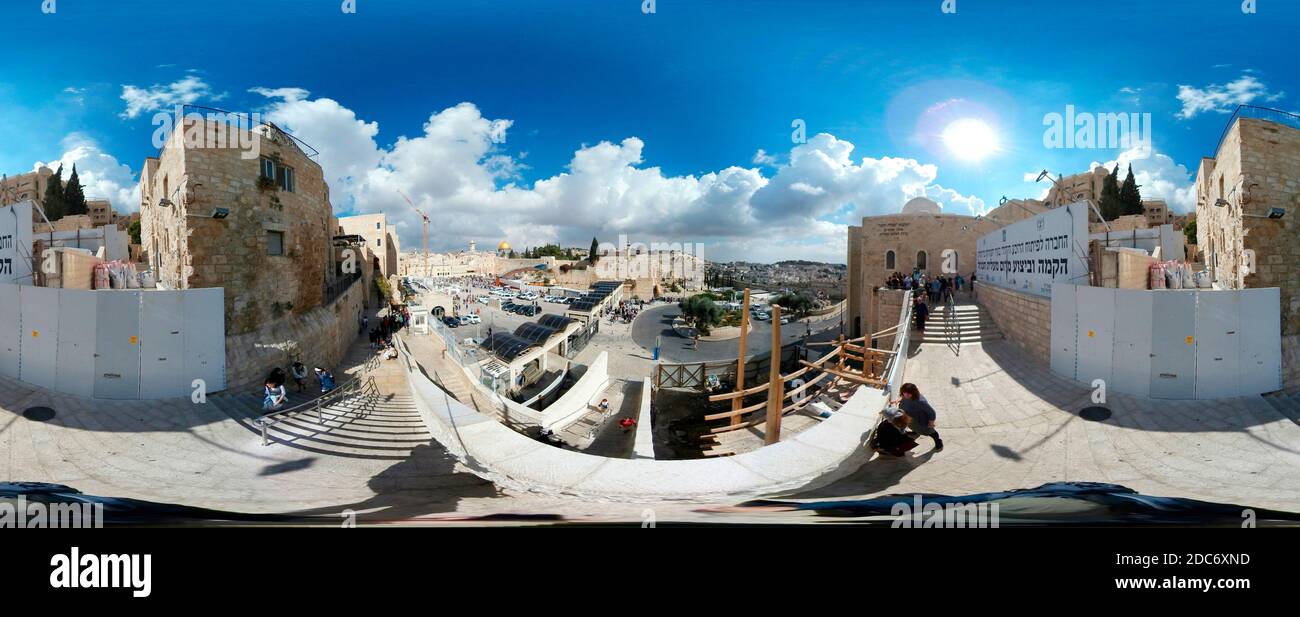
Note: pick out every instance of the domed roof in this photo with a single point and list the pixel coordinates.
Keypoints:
(504, 246)
(921, 205)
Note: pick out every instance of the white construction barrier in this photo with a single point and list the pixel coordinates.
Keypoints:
(114, 344)
(1169, 344)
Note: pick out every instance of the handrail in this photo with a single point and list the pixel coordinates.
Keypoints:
(361, 382)
(952, 327)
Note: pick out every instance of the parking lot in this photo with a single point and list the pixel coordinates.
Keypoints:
(491, 317)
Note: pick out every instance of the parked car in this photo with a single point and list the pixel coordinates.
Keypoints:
(470, 319)
(529, 310)
(509, 307)
(451, 322)
(483, 299)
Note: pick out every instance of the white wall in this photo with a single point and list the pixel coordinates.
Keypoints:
(575, 403)
(113, 344)
(1172, 344)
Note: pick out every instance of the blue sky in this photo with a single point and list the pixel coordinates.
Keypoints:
(557, 120)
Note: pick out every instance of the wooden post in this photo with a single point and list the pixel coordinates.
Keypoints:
(736, 403)
(775, 385)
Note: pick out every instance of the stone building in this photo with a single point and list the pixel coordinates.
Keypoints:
(1157, 212)
(915, 239)
(1255, 175)
(380, 237)
(1012, 210)
(257, 223)
(101, 212)
(1069, 189)
(23, 187)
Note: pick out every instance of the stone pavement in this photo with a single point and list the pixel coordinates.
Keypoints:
(1009, 422)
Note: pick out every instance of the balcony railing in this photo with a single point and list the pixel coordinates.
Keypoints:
(1258, 113)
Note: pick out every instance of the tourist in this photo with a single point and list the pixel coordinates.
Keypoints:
(890, 438)
(961, 283)
(299, 372)
(921, 413)
(326, 380)
(603, 406)
(276, 377)
(972, 284)
(922, 312)
(275, 396)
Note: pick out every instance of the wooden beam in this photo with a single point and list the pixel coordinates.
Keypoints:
(775, 382)
(740, 361)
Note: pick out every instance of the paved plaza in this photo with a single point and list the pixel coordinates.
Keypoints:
(1007, 423)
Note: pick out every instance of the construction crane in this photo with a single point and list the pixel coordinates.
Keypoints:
(425, 217)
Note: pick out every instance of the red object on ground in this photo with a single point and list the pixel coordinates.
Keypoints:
(627, 422)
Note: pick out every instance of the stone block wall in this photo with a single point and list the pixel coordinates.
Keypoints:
(319, 337)
(1025, 319)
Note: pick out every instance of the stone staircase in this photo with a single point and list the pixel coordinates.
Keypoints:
(967, 323)
(378, 422)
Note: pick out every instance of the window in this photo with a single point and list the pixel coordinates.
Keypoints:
(275, 243)
(922, 260)
(376, 225)
(281, 174)
(379, 241)
(889, 260)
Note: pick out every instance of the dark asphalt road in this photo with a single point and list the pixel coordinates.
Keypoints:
(658, 322)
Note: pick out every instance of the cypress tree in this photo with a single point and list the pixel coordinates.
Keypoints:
(593, 257)
(53, 201)
(1129, 196)
(74, 199)
(1110, 201)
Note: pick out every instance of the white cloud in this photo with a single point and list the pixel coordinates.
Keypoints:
(458, 172)
(100, 173)
(763, 158)
(1158, 177)
(183, 91)
(1224, 98)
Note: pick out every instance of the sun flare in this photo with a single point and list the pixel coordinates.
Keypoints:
(970, 139)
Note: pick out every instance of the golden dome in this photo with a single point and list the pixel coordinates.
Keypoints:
(504, 246)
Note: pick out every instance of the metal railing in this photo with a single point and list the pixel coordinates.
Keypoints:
(952, 327)
(363, 383)
(340, 286)
(1258, 113)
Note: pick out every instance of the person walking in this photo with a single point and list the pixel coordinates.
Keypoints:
(326, 380)
(299, 372)
(922, 312)
(921, 413)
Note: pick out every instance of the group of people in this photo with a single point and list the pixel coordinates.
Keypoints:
(382, 336)
(934, 288)
(275, 393)
(626, 311)
(907, 418)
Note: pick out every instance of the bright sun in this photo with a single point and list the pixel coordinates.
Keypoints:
(970, 139)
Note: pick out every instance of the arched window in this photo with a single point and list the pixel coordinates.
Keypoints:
(922, 261)
(889, 260)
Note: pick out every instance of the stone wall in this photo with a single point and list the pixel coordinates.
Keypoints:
(1256, 168)
(889, 304)
(319, 337)
(1025, 319)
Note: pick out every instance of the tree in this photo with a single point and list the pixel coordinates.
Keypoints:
(801, 302)
(1109, 203)
(593, 256)
(74, 199)
(134, 230)
(53, 201)
(1130, 198)
(700, 312)
(1189, 230)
